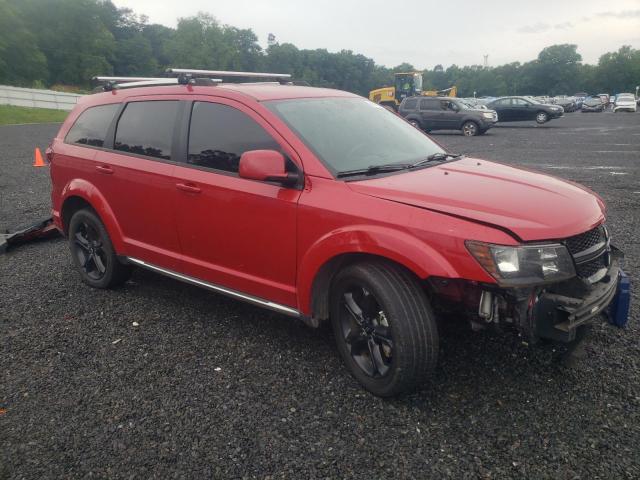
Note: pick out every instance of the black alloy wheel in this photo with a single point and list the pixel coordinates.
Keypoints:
(366, 331)
(89, 251)
(93, 253)
(384, 328)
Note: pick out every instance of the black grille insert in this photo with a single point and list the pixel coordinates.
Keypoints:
(578, 245)
(584, 241)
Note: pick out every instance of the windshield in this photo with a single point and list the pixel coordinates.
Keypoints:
(353, 133)
(417, 83)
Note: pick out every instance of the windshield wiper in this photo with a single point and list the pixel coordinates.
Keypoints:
(389, 167)
(436, 157)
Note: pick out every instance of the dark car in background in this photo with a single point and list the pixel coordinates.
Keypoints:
(447, 113)
(567, 103)
(592, 104)
(516, 109)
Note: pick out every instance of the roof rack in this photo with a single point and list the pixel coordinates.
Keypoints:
(184, 76)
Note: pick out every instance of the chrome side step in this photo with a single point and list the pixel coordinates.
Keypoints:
(226, 291)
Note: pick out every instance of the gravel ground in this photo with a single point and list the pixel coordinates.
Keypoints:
(209, 387)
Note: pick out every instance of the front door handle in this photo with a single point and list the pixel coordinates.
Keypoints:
(104, 169)
(188, 187)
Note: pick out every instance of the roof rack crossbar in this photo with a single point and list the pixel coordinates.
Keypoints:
(282, 78)
(128, 79)
(113, 83)
(224, 73)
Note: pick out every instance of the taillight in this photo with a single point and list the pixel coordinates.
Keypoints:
(48, 153)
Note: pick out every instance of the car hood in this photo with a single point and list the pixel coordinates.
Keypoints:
(532, 206)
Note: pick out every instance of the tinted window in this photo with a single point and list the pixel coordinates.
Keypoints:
(519, 102)
(220, 134)
(410, 104)
(146, 128)
(429, 104)
(505, 102)
(92, 125)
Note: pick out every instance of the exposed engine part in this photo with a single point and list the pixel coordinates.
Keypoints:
(486, 306)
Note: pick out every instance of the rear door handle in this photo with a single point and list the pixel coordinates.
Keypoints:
(104, 169)
(188, 187)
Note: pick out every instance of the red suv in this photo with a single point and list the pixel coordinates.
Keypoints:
(322, 205)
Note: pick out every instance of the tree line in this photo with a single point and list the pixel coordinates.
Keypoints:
(45, 43)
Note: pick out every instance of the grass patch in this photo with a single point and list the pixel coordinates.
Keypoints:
(10, 114)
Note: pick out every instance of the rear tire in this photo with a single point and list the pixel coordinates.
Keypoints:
(384, 327)
(93, 253)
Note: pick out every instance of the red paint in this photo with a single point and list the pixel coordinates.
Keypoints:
(270, 241)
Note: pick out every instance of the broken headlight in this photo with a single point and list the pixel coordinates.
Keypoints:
(524, 265)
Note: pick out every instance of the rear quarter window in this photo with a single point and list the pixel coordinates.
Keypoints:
(410, 104)
(90, 128)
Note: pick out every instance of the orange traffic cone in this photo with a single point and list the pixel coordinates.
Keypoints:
(38, 162)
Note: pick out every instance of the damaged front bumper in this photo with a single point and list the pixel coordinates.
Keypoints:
(556, 314)
(553, 312)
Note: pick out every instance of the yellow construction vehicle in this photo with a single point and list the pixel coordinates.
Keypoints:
(447, 92)
(407, 84)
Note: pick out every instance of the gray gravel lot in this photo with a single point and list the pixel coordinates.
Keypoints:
(206, 387)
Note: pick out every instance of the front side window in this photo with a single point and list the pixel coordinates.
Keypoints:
(146, 128)
(220, 134)
(353, 133)
(91, 126)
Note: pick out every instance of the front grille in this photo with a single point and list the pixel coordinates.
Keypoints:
(581, 247)
(584, 241)
(587, 269)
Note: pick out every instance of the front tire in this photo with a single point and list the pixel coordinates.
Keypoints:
(93, 253)
(542, 117)
(470, 129)
(384, 327)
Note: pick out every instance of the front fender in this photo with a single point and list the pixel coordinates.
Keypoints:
(89, 193)
(398, 246)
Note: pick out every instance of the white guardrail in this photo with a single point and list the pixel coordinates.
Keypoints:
(31, 97)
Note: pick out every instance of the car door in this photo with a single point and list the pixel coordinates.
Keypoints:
(430, 113)
(450, 116)
(503, 107)
(136, 178)
(234, 232)
(522, 110)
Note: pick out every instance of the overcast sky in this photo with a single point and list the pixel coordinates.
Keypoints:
(423, 32)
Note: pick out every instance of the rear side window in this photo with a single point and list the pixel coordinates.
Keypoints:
(410, 104)
(146, 128)
(220, 134)
(429, 104)
(92, 125)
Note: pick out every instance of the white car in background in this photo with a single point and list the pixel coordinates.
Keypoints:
(625, 101)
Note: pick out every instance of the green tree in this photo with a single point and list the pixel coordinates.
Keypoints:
(21, 61)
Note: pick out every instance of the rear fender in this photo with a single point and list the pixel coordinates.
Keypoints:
(89, 193)
(394, 245)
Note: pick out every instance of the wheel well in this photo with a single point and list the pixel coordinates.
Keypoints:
(322, 282)
(70, 206)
